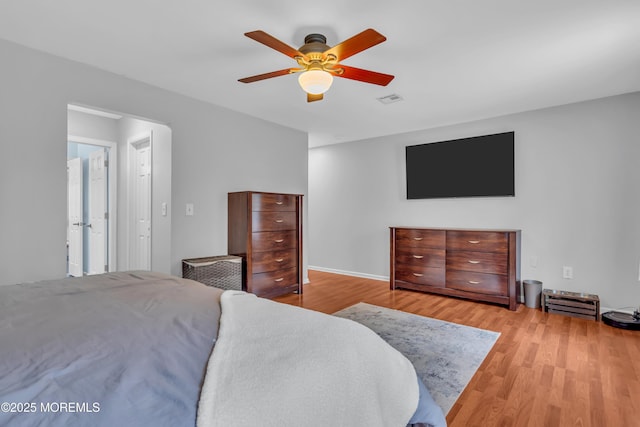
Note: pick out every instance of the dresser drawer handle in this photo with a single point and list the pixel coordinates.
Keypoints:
(418, 274)
(473, 262)
(418, 256)
(279, 280)
(417, 238)
(279, 220)
(279, 259)
(279, 203)
(473, 282)
(279, 240)
(474, 242)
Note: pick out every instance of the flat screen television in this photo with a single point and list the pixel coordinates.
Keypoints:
(481, 166)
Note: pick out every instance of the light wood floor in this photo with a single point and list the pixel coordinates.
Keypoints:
(545, 369)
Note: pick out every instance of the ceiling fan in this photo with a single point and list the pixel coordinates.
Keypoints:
(318, 63)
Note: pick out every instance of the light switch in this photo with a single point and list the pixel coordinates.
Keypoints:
(189, 210)
(164, 208)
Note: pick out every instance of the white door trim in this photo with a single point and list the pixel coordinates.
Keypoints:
(113, 186)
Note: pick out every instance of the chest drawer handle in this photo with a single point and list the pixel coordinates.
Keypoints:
(473, 262)
(279, 240)
(279, 280)
(417, 238)
(473, 282)
(474, 242)
(279, 220)
(279, 203)
(279, 260)
(418, 274)
(418, 256)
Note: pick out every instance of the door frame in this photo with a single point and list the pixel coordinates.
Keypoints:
(112, 188)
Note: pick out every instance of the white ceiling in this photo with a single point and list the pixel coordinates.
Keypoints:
(454, 60)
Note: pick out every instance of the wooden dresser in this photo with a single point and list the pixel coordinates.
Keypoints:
(482, 265)
(265, 229)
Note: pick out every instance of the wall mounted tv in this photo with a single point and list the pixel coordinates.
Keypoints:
(481, 166)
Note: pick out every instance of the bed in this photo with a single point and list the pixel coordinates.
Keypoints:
(148, 349)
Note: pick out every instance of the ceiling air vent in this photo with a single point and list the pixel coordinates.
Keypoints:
(390, 99)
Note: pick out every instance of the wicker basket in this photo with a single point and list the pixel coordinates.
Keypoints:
(223, 271)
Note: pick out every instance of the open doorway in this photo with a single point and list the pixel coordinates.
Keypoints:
(91, 197)
(137, 223)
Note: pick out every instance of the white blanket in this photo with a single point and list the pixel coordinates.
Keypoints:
(280, 365)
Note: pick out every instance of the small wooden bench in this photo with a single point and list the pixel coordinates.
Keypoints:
(575, 304)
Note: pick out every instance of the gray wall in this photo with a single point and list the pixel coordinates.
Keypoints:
(577, 197)
(214, 151)
(92, 126)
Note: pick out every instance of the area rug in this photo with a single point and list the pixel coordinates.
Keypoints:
(446, 355)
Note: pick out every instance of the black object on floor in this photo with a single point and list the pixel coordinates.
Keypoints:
(621, 320)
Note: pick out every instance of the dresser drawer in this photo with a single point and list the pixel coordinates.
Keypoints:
(417, 238)
(273, 202)
(480, 262)
(482, 241)
(420, 275)
(480, 283)
(272, 221)
(274, 260)
(264, 282)
(426, 257)
(274, 240)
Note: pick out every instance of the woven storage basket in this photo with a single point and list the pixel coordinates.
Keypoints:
(223, 271)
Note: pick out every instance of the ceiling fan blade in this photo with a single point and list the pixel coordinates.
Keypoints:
(267, 75)
(366, 39)
(274, 43)
(365, 75)
(311, 97)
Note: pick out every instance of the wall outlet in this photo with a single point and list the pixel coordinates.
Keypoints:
(567, 272)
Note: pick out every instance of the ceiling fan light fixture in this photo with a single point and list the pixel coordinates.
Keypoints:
(315, 81)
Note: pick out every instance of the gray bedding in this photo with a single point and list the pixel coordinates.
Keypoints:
(119, 349)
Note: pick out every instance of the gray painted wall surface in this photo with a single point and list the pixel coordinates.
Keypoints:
(577, 197)
(214, 151)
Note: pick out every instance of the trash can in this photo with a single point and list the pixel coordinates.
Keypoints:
(532, 293)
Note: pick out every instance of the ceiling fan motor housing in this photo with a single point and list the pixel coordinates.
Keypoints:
(314, 43)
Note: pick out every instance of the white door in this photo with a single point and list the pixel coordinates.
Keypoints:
(97, 212)
(74, 216)
(141, 255)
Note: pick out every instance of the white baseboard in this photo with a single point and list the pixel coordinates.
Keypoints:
(621, 310)
(349, 273)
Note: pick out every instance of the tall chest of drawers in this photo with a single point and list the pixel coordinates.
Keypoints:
(265, 229)
(482, 265)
